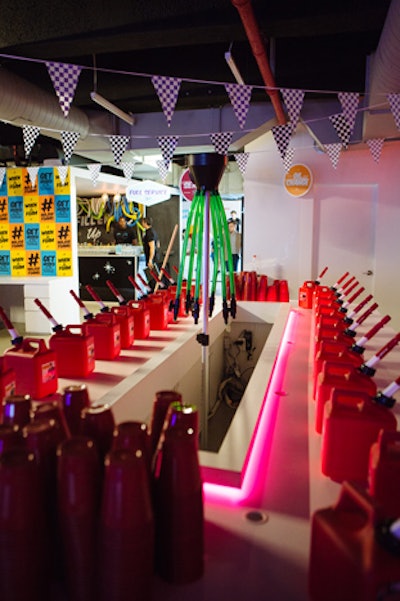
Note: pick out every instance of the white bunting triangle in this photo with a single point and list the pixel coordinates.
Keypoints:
(349, 102)
(333, 151)
(241, 159)
(240, 96)
(282, 135)
(293, 100)
(167, 146)
(221, 141)
(118, 146)
(29, 134)
(2, 175)
(68, 141)
(33, 171)
(128, 169)
(375, 146)
(394, 101)
(62, 173)
(342, 128)
(94, 169)
(167, 89)
(65, 79)
(162, 169)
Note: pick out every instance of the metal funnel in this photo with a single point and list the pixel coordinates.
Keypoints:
(206, 170)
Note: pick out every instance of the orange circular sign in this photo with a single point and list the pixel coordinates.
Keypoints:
(298, 180)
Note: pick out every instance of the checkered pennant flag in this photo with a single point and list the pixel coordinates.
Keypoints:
(239, 95)
(162, 167)
(62, 173)
(94, 169)
(293, 100)
(349, 102)
(288, 160)
(33, 171)
(167, 145)
(128, 169)
(2, 174)
(394, 101)
(167, 89)
(29, 134)
(375, 146)
(333, 151)
(221, 141)
(241, 159)
(282, 135)
(68, 141)
(342, 127)
(118, 146)
(65, 79)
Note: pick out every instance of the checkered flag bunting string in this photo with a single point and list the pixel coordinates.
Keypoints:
(342, 128)
(282, 135)
(29, 134)
(62, 173)
(167, 145)
(375, 146)
(94, 169)
(167, 89)
(288, 160)
(349, 102)
(2, 174)
(128, 169)
(333, 151)
(394, 101)
(33, 171)
(118, 146)
(68, 141)
(65, 79)
(221, 141)
(241, 159)
(239, 95)
(293, 100)
(162, 167)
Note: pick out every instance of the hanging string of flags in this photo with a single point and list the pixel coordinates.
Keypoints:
(65, 78)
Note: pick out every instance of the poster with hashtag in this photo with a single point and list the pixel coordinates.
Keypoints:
(35, 224)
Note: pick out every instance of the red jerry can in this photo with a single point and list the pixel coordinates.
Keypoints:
(353, 551)
(384, 472)
(35, 367)
(306, 295)
(141, 316)
(7, 383)
(74, 348)
(341, 375)
(159, 311)
(352, 424)
(333, 350)
(126, 322)
(106, 332)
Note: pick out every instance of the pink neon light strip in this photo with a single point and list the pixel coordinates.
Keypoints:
(260, 444)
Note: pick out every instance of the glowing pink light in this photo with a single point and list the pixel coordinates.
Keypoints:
(260, 445)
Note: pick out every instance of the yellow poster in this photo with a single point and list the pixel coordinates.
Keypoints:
(31, 209)
(64, 263)
(18, 263)
(59, 187)
(47, 212)
(33, 263)
(17, 236)
(4, 236)
(3, 209)
(64, 236)
(48, 236)
(15, 181)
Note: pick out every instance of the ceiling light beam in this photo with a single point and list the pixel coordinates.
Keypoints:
(109, 106)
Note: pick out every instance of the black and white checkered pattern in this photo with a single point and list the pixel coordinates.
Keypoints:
(293, 100)
(65, 79)
(394, 101)
(162, 167)
(221, 141)
(29, 134)
(69, 140)
(282, 135)
(167, 89)
(241, 159)
(118, 146)
(375, 146)
(288, 160)
(167, 145)
(333, 151)
(128, 169)
(2, 175)
(33, 171)
(94, 169)
(342, 128)
(240, 96)
(62, 173)
(349, 102)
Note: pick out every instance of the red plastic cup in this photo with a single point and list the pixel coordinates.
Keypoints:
(97, 422)
(51, 410)
(10, 437)
(17, 410)
(74, 399)
(162, 401)
(133, 436)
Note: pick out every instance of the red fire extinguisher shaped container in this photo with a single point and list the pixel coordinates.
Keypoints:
(159, 310)
(74, 348)
(384, 472)
(126, 322)
(352, 423)
(351, 555)
(141, 317)
(35, 366)
(106, 332)
(341, 375)
(7, 383)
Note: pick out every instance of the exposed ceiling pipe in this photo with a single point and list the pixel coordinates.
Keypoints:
(250, 25)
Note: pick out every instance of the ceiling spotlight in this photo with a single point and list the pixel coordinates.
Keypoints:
(233, 67)
(109, 106)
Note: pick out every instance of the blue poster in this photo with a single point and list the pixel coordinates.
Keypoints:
(32, 236)
(46, 181)
(63, 209)
(5, 263)
(49, 263)
(16, 209)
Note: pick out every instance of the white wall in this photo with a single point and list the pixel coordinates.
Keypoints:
(282, 231)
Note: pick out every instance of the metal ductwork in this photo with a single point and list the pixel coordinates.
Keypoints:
(252, 30)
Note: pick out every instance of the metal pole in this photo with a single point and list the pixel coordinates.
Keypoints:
(205, 297)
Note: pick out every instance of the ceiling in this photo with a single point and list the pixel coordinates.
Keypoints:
(320, 47)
